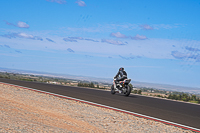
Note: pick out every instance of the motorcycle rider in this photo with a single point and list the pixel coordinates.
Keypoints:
(122, 74)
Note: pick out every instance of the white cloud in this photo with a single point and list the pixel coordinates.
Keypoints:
(180, 55)
(7, 46)
(78, 38)
(91, 40)
(81, 3)
(102, 28)
(70, 50)
(164, 26)
(28, 36)
(126, 26)
(114, 42)
(118, 35)
(18, 51)
(22, 25)
(22, 35)
(58, 1)
(192, 49)
(146, 27)
(69, 40)
(48, 39)
(72, 39)
(148, 48)
(139, 37)
(105, 28)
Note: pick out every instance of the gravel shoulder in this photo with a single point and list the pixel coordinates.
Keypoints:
(28, 111)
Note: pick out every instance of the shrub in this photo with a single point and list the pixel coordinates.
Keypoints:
(139, 92)
(135, 91)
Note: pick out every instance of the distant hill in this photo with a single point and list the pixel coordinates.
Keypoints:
(167, 87)
(67, 76)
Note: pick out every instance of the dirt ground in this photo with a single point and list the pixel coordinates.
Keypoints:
(28, 111)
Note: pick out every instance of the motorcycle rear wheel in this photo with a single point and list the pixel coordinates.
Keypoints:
(112, 90)
(128, 91)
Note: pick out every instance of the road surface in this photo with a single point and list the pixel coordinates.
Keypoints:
(178, 112)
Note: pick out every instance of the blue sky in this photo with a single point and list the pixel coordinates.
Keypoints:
(155, 41)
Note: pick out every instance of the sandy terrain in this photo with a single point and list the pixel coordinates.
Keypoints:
(28, 111)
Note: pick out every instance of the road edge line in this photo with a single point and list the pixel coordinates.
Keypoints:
(108, 107)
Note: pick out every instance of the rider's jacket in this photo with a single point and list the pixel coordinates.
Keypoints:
(123, 75)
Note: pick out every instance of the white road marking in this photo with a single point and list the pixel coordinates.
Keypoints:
(109, 107)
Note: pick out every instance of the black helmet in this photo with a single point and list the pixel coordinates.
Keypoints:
(121, 69)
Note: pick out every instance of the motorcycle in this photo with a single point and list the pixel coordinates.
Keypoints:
(121, 87)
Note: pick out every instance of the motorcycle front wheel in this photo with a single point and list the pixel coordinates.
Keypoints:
(128, 90)
(112, 89)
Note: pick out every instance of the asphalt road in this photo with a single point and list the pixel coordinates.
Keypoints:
(178, 112)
